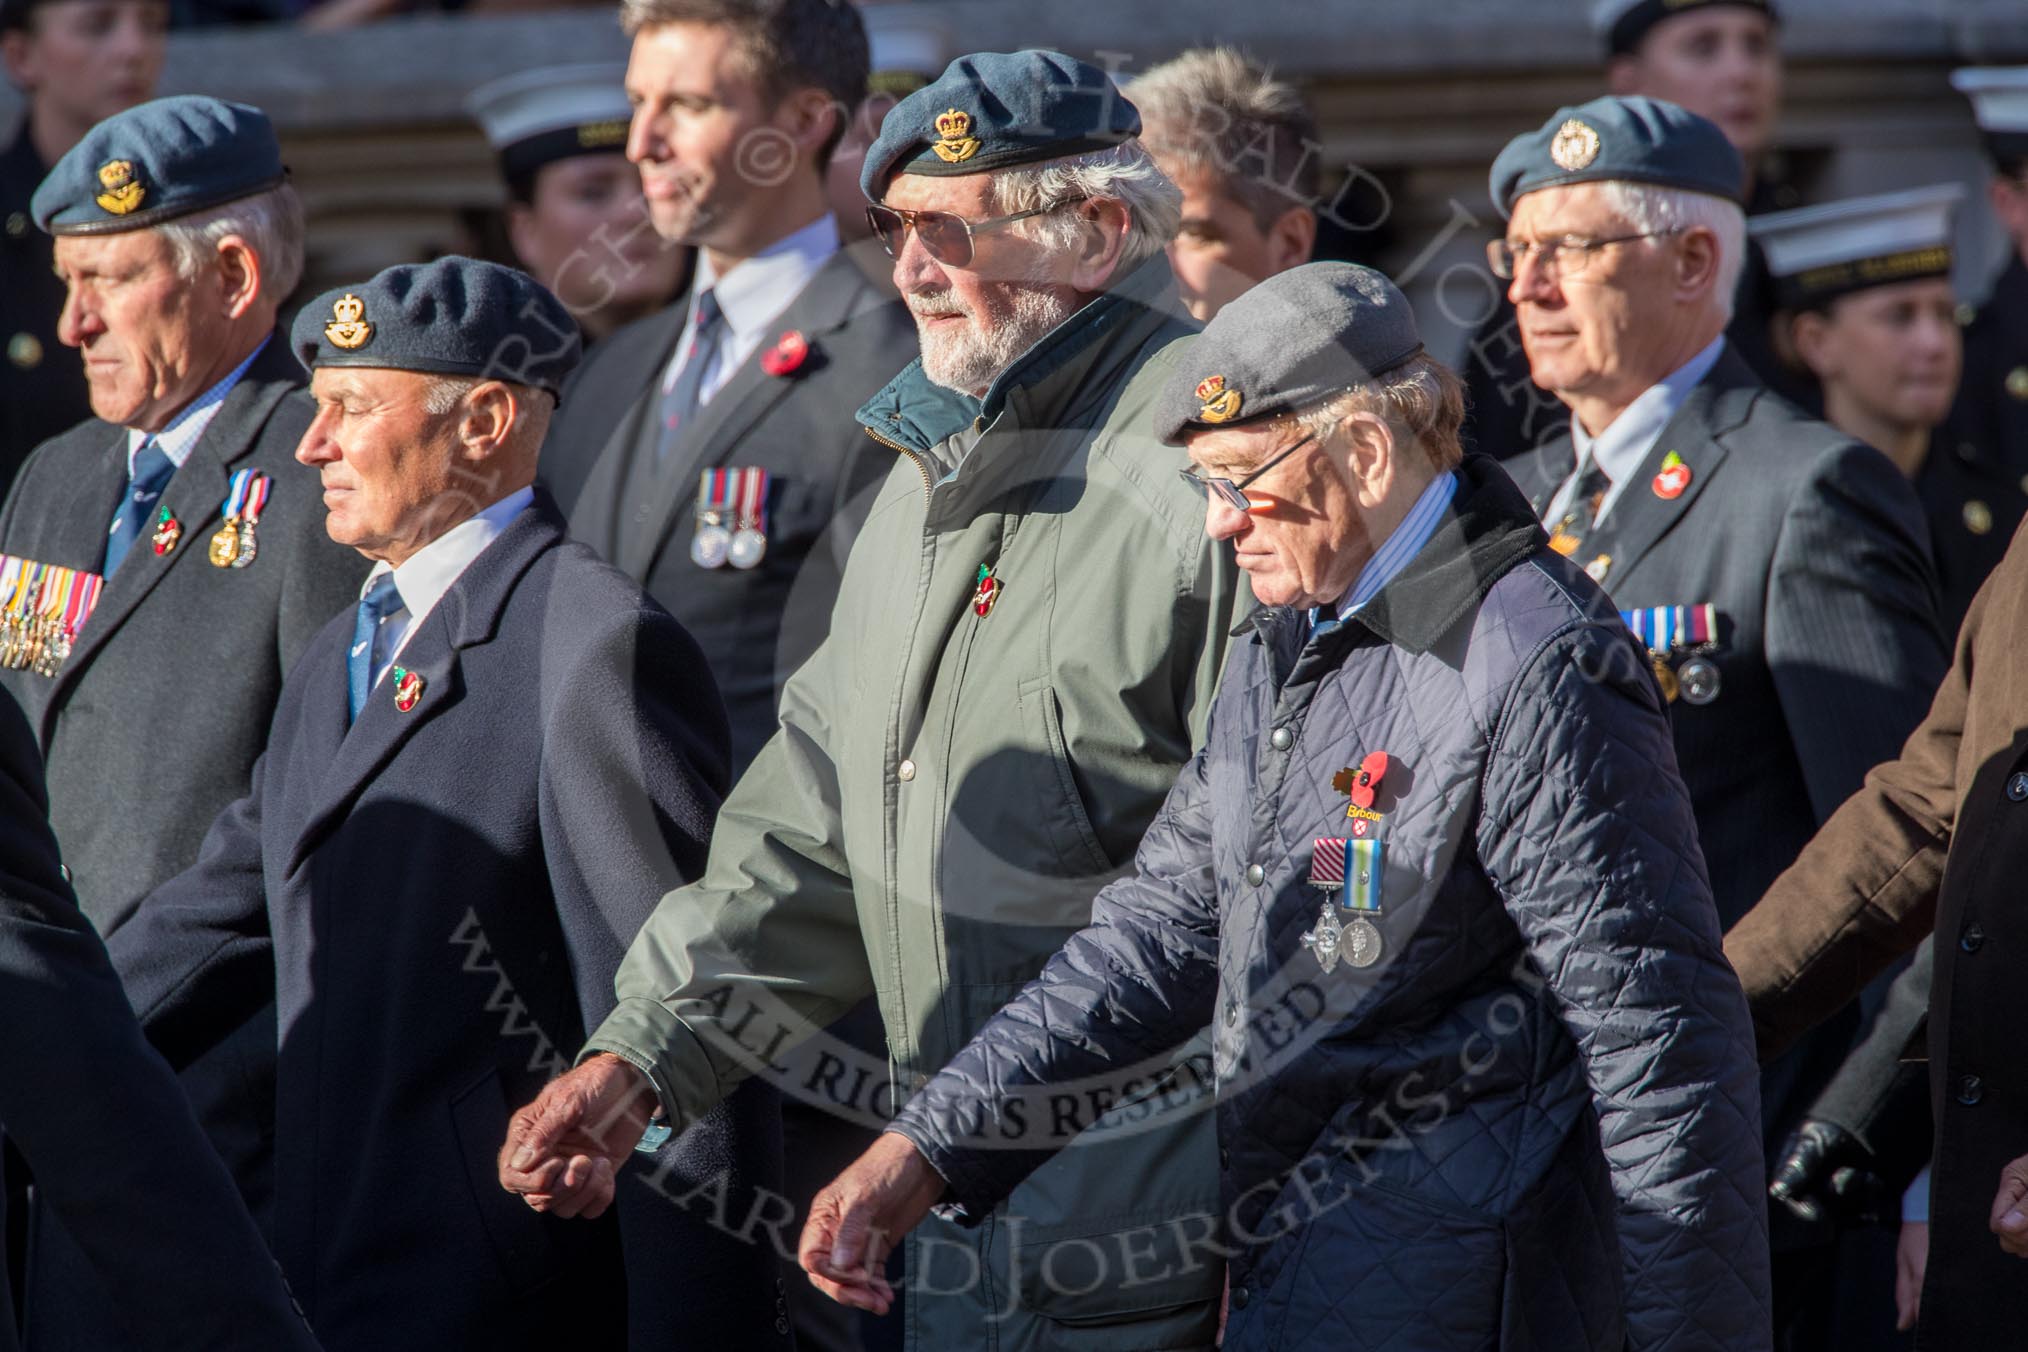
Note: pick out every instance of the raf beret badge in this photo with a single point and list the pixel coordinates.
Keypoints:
(955, 141)
(123, 193)
(348, 328)
(1220, 404)
(1575, 146)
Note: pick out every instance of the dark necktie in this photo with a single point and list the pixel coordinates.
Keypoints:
(1327, 620)
(382, 599)
(685, 396)
(152, 471)
(1582, 512)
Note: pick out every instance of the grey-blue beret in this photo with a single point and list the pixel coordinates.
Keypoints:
(157, 161)
(991, 110)
(454, 317)
(1623, 23)
(1291, 343)
(1632, 140)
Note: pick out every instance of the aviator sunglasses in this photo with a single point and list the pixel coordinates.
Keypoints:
(945, 237)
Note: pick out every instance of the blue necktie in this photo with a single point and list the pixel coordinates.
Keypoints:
(381, 600)
(152, 472)
(685, 397)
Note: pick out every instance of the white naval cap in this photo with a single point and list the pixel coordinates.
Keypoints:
(1999, 96)
(1820, 253)
(540, 116)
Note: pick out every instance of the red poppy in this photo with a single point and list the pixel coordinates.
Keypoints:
(788, 354)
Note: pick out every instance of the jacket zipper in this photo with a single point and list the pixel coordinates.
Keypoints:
(928, 486)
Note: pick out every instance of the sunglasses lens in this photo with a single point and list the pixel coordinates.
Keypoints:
(887, 227)
(945, 237)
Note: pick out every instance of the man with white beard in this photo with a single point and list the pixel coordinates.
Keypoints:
(1021, 660)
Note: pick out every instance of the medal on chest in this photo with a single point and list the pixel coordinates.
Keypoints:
(1350, 869)
(233, 545)
(1680, 641)
(42, 607)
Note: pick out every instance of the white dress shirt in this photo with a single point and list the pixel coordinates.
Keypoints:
(1622, 448)
(427, 574)
(751, 297)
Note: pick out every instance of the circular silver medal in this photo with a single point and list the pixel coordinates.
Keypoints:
(1361, 943)
(709, 546)
(1699, 680)
(748, 545)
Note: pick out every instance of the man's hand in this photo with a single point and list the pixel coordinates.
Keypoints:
(2010, 1208)
(565, 1150)
(860, 1215)
(1911, 1261)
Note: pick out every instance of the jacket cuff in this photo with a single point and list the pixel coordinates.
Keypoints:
(646, 1035)
(967, 1198)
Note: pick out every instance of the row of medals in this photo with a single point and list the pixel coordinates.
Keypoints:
(233, 545)
(714, 546)
(33, 642)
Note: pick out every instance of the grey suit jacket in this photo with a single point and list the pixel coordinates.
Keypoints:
(758, 626)
(1814, 551)
(153, 723)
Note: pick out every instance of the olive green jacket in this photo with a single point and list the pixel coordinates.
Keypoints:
(947, 792)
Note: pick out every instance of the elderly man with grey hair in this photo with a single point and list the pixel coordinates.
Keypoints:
(1243, 149)
(1777, 571)
(1022, 657)
(178, 550)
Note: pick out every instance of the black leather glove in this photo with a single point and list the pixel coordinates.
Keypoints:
(1826, 1173)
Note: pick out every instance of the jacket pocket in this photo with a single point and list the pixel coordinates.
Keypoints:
(521, 1243)
(1061, 808)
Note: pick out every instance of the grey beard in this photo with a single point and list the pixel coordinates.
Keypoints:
(969, 360)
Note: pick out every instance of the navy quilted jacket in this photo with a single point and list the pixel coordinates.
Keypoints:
(1532, 1121)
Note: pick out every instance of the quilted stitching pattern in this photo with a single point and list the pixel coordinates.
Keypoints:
(1533, 1123)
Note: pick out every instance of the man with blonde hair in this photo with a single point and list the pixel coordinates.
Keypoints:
(1022, 656)
(1777, 571)
(1243, 149)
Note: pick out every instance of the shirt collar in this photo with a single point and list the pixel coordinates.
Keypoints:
(759, 288)
(1623, 446)
(427, 574)
(180, 436)
(1403, 543)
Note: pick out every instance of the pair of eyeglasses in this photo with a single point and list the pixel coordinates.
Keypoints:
(945, 237)
(1570, 256)
(1233, 494)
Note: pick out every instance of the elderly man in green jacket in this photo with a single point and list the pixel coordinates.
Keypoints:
(1021, 659)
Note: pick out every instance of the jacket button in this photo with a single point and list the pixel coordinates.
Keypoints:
(1282, 740)
(1970, 1091)
(1240, 1296)
(905, 771)
(2017, 787)
(1231, 1011)
(1974, 937)
(68, 876)
(1255, 875)
(1224, 1157)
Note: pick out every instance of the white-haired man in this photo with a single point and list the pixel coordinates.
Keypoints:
(1777, 571)
(173, 545)
(1243, 149)
(1021, 659)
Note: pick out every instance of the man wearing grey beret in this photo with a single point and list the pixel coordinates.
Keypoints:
(478, 780)
(1438, 817)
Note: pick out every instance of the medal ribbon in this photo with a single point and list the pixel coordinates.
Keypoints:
(256, 497)
(1663, 629)
(235, 494)
(1362, 875)
(752, 490)
(714, 493)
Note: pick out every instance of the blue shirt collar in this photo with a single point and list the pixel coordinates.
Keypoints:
(180, 436)
(1403, 543)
